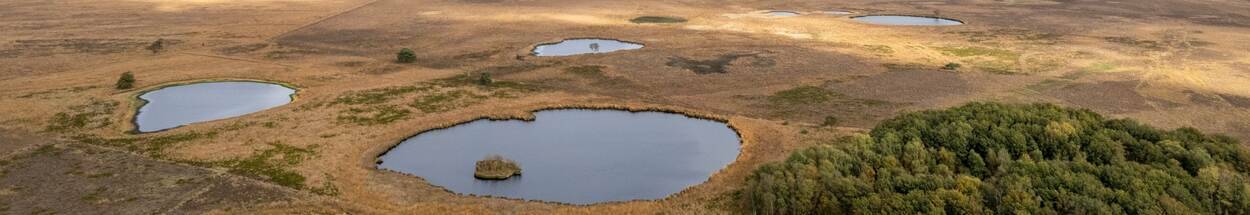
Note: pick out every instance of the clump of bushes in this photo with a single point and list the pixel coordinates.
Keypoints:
(988, 158)
(156, 46)
(406, 56)
(495, 167)
(830, 121)
(484, 79)
(952, 66)
(126, 81)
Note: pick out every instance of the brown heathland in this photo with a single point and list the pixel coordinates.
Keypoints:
(1169, 63)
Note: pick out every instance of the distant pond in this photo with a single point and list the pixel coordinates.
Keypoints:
(907, 20)
(583, 46)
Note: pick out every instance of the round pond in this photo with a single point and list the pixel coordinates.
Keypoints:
(907, 20)
(175, 106)
(583, 46)
(573, 156)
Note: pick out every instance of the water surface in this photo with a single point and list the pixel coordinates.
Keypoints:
(907, 20)
(175, 106)
(573, 156)
(583, 46)
(781, 13)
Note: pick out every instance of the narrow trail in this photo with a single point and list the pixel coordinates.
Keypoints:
(322, 19)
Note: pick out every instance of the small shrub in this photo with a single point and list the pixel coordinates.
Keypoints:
(126, 81)
(830, 121)
(157, 46)
(484, 79)
(406, 56)
(952, 66)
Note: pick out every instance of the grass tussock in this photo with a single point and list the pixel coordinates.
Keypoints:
(496, 167)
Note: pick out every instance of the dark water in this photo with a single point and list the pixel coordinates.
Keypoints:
(583, 46)
(907, 20)
(779, 13)
(175, 106)
(573, 156)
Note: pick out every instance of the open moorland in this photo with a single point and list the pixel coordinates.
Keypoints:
(68, 146)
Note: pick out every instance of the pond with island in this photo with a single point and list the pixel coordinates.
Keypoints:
(574, 156)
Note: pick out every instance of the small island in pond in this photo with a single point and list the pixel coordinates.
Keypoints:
(495, 167)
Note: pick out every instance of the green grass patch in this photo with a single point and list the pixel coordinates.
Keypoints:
(155, 145)
(971, 51)
(803, 95)
(879, 49)
(89, 116)
(55, 91)
(657, 19)
(589, 71)
(373, 115)
(271, 165)
(445, 101)
(378, 96)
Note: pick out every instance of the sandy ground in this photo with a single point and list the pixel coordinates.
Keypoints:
(1168, 63)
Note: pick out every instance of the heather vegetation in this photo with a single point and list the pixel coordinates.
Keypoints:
(987, 158)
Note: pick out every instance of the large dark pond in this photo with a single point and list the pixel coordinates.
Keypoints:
(573, 156)
(175, 106)
(583, 46)
(907, 20)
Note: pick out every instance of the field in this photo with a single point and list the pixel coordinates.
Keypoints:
(66, 145)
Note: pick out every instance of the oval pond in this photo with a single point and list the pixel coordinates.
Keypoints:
(907, 20)
(573, 156)
(180, 105)
(782, 13)
(583, 46)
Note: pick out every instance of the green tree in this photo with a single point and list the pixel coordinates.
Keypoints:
(406, 56)
(126, 81)
(1008, 159)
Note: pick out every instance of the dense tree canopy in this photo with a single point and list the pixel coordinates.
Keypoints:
(987, 158)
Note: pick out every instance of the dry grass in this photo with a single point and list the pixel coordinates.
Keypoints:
(55, 79)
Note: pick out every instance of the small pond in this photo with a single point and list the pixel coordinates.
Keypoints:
(782, 13)
(573, 156)
(583, 46)
(907, 20)
(838, 12)
(180, 105)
